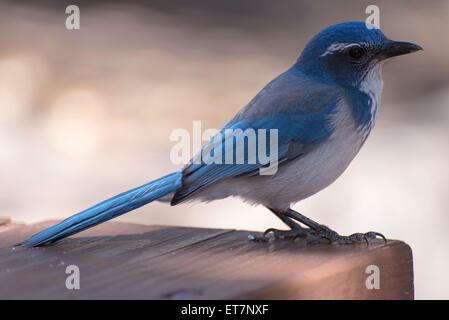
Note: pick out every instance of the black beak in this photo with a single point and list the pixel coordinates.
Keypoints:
(397, 48)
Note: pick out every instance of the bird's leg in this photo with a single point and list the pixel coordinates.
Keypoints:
(327, 233)
(295, 229)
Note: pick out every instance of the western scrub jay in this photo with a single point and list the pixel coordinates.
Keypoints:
(323, 109)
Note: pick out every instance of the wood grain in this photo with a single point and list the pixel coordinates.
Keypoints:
(128, 261)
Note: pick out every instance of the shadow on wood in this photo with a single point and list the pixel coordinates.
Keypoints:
(127, 261)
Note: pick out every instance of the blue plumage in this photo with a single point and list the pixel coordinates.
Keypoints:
(321, 110)
(300, 127)
(108, 209)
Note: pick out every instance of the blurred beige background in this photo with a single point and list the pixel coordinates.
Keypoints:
(87, 114)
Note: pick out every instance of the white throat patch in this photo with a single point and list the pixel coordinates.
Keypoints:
(372, 86)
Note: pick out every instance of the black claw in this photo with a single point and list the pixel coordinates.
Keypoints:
(293, 233)
(366, 239)
(256, 237)
(377, 234)
(270, 230)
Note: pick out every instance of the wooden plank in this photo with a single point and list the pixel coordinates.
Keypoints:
(4, 221)
(119, 260)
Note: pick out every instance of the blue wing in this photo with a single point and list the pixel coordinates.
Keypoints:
(297, 107)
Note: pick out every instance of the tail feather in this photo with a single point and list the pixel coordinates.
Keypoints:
(108, 209)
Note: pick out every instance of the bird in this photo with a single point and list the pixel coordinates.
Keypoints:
(321, 109)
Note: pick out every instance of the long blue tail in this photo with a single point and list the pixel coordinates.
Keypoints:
(108, 209)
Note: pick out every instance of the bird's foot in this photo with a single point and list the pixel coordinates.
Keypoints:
(272, 233)
(324, 234)
(333, 237)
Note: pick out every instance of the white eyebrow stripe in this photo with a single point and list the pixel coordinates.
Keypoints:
(336, 47)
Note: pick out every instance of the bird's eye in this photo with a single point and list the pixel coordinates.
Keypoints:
(356, 52)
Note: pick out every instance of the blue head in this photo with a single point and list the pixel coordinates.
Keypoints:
(346, 53)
